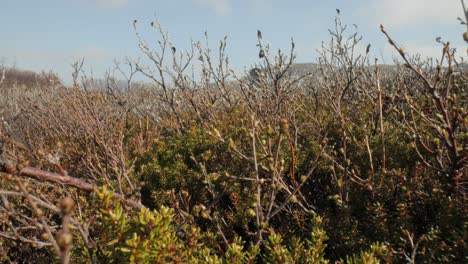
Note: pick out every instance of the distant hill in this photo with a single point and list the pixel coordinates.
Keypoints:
(18, 77)
(304, 68)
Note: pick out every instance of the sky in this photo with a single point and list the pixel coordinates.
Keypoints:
(52, 34)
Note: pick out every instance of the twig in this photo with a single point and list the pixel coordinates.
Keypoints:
(41, 175)
(382, 132)
(39, 214)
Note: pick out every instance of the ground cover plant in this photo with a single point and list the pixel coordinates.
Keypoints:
(350, 161)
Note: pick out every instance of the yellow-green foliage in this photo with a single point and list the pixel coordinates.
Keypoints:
(150, 236)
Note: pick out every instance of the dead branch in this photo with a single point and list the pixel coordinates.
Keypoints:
(41, 175)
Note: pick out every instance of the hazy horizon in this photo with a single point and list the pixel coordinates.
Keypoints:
(52, 34)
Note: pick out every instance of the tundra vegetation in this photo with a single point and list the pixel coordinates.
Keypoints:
(352, 162)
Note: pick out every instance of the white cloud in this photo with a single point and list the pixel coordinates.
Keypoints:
(403, 13)
(111, 3)
(220, 7)
(261, 6)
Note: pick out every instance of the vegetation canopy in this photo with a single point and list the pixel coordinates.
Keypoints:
(345, 161)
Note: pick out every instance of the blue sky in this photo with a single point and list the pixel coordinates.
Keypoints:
(52, 34)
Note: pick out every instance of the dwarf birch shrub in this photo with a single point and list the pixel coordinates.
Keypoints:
(350, 162)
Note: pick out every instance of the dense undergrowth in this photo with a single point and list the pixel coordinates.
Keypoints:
(352, 163)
